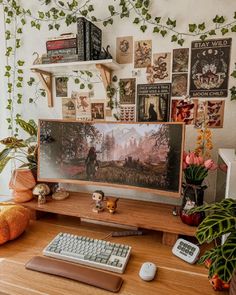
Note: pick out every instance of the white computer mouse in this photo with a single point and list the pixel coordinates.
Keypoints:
(147, 271)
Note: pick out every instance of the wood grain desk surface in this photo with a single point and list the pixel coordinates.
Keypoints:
(174, 277)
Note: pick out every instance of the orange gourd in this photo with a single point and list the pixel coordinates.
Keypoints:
(13, 221)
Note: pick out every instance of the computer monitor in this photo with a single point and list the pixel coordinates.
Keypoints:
(141, 156)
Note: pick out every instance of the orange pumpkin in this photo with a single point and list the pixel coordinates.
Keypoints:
(13, 221)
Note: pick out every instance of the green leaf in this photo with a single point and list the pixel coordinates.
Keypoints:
(181, 42)
(136, 20)
(163, 33)
(82, 86)
(3, 163)
(233, 28)
(171, 22)
(143, 28)
(157, 19)
(27, 127)
(203, 37)
(212, 32)
(202, 26)
(4, 153)
(192, 27)
(174, 38)
(20, 63)
(156, 30)
(233, 74)
(224, 31)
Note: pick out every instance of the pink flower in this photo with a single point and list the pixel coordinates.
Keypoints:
(210, 165)
(190, 158)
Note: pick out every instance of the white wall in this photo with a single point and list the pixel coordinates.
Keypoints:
(185, 12)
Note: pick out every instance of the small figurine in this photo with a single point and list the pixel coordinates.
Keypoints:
(98, 197)
(105, 54)
(112, 205)
(41, 190)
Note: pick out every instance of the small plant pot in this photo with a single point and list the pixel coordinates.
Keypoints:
(22, 180)
(22, 196)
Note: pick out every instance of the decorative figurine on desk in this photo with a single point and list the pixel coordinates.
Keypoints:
(112, 205)
(41, 190)
(98, 197)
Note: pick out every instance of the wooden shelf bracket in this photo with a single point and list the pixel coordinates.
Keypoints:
(105, 73)
(46, 80)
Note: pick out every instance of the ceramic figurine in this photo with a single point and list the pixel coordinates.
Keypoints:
(98, 197)
(112, 205)
(41, 190)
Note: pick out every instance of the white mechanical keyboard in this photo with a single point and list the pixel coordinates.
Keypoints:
(91, 252)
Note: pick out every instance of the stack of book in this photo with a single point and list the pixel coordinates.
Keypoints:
(61, 49)
(89, 40)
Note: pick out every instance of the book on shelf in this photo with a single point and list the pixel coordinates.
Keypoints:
(59, 58)
(63, 37)
(89, 40)
(61, 44)
(66, 51)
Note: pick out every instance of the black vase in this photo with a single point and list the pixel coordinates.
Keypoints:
(193, 195)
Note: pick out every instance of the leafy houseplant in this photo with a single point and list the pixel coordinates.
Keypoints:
(221, 260)
(22, 150)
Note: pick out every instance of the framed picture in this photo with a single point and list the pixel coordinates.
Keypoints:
(61, 86)
(153, 102)
(128, 155)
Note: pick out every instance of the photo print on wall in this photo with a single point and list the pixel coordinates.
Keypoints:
(180, 60)
(179, 84)
(127, 113)
(153, 102)
(184, 110)
(83, 107)
(127, 91)
(61, 86)
(98, 110)
(210, 68)
(142, 53)
(160, 70)
(124, 50)
(215, 113)
(68, 108)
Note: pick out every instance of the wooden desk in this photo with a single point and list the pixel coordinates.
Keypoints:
(174, 276)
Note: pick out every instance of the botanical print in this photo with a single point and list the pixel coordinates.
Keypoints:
(61, 86)
(153, 102)
(124, 50)
(142, 53)
(179, 84)
(98, 110)
(127, 91)
(180, 60)
(83, 107)
(127, 113)
(184, 110)
(210, 68)
(160, 71)
(215, 113)
(125, 154)
(201, 114)
(68, 108)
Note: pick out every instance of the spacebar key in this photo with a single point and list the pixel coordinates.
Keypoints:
(73, 255)
(90, 276)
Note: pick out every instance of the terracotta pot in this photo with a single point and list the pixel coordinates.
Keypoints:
(22, 196)
(22, 180)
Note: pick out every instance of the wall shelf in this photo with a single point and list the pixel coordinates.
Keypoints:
(47, 71)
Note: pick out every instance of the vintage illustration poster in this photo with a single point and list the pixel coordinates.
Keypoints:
(180, 60)
(98, 110)
(68, 108)
(127, 113)
(215, 113)
(210, 68)
(184, 111)
(179, 84)
(124, 50)
(153, 102)
(61, 86)
(142, 53)
(127, 91)
(83, 107)
(160, 70)
(201, 114)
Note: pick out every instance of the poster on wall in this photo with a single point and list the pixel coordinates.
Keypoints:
(210, 68)
(83, 107)
(201, 114)
(127, 113)
(68, 108)
(215, 113)
(98, 110)
(61, 86)
(153, 102)
(184, 111)
(179, 84)
(124, 50)
(160, 70)
(180, 60)
(127, 91)
(142, 53)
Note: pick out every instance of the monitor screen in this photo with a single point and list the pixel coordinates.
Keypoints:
(146, 156)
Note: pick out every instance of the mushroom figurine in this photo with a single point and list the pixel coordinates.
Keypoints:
(41, 190)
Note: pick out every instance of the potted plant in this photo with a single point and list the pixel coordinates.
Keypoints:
(24, 151)
(221, 259)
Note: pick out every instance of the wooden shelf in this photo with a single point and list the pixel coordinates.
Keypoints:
(140, 214)
(47, 71)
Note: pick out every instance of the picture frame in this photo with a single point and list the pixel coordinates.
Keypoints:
(135, 156)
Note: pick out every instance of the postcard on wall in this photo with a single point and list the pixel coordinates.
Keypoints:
(142, 53)
(153, 102)
(124, 50)
(98, 110)
(61, 86)
(210, 68)
(127, 91)
(179, 84)
(127, 113)
(160, 70)
(184, 110)
(83, 107)
(180, 60)
(68, 108)
(215, 113)
(201, 114)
